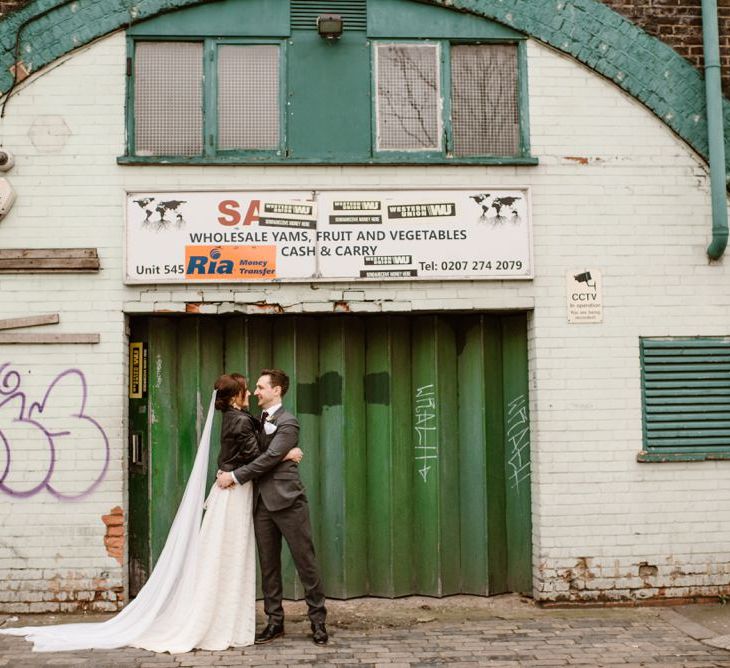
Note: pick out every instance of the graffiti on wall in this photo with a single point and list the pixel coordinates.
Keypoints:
(518, 441)
(426, 428)
(49, 442)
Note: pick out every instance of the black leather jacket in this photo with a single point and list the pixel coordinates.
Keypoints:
(239, 442)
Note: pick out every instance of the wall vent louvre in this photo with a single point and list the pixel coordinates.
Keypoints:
(686, 395)
(304, 13)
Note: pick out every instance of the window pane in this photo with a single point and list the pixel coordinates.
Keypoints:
(168, 98)
(408, 97)
(248, 97)
(484, 108)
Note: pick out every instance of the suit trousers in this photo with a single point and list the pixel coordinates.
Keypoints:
(293, 524)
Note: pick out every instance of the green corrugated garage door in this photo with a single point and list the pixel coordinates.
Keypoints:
(416, 433)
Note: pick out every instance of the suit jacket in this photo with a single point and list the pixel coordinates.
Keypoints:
(277, 482)
(239, 439)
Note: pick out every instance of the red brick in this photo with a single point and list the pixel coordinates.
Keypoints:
(678, 23)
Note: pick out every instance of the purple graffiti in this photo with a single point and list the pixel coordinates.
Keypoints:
(53, 435)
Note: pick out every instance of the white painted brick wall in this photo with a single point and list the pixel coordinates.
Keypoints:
(638, 210)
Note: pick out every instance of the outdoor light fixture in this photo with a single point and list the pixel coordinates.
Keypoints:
(330, 26)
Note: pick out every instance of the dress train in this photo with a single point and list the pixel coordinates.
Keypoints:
(221, 611)
(189, 566)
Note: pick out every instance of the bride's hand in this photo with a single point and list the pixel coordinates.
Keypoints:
(294, 455)
(224, 480)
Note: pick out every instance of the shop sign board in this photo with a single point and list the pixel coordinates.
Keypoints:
(184, 237)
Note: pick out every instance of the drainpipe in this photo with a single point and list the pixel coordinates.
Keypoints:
(715, 132)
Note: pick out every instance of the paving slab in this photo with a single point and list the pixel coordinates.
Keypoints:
(709, 623)
(421, 631)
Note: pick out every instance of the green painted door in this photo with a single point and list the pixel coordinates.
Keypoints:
(415, 431)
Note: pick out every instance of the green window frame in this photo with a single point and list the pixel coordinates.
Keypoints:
(326, 113)
(210, 152)
(446, 151)
(685, 389)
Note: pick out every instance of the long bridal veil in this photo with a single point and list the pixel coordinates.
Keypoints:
(170, 585)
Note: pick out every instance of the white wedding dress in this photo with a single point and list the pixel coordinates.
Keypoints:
(202, 591)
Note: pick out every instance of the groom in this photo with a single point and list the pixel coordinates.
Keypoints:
(280, 509)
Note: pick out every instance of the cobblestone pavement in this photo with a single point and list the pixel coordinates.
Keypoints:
(458, 631)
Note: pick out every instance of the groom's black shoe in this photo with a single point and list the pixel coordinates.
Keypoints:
(270, 632)
(319, 634)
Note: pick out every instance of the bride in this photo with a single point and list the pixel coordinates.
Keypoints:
(202, 591)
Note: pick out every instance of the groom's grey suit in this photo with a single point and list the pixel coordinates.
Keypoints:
(281, 509)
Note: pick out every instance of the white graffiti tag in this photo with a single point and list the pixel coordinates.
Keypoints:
(426, 429)
(518, 441)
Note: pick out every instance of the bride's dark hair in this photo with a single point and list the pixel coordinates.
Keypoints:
(228, 387)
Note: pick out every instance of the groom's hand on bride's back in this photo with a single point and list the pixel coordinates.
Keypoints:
(294, 455)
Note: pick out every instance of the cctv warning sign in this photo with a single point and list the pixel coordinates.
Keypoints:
(585, 299)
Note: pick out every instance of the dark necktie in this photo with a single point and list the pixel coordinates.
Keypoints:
(264, 415)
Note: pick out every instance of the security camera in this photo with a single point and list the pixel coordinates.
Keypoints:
(7, 160)
(586, 278)
(7, 197)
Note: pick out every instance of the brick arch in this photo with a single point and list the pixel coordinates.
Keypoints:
(589, 31)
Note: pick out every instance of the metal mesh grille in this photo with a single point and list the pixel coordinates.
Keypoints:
(408, 97)
(168, 98)
(484, 108)
(248, 97)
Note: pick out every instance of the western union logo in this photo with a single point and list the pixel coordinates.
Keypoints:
(422, 210)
